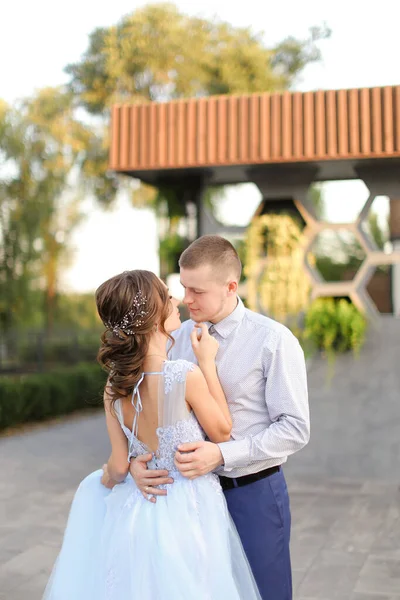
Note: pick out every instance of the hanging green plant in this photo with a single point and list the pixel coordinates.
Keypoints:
(276, 280)
(335, 326)
(278, 286)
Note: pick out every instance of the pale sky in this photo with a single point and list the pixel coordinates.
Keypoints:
(37, 39)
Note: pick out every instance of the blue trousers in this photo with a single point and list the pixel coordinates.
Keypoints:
(261, 513)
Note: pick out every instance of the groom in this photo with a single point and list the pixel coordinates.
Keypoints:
(262, 371)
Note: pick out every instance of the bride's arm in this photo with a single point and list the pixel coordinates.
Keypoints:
(204, 392)
(204, 398)
(117, 465)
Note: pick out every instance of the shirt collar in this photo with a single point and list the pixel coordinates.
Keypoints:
(227, 325)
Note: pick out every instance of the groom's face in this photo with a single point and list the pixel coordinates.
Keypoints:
(206, 295)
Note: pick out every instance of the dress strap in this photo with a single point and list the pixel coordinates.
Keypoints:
(137, 405)
(137, 401)
(153, 373)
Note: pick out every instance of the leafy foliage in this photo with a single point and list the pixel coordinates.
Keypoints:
(335, 326)
(158, 53)
(274, 266)
(53, 153)
(27, 398)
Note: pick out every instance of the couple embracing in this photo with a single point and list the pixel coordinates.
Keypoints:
(192, 504)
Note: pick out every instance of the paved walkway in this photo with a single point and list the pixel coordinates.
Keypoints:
(346, 534)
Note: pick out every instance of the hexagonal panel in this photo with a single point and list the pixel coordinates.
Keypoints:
(336, 254)
(343, 259)
(379, 288)
(377, 278)
(366, 241)
(341, 201)
(374, 222)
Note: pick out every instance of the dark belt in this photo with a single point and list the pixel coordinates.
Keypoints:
(228, 483)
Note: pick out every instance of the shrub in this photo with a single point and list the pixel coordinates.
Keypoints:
(35, 397)
(335, 326)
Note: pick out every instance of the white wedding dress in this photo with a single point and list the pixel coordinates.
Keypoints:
(119, 546)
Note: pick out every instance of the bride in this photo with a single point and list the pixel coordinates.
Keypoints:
(117, 545)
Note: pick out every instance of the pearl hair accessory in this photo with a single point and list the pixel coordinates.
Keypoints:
(132, 320)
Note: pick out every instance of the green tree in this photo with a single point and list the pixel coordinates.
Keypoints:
(50, 115)
(45, 152)
(158, 53)
(24, 187)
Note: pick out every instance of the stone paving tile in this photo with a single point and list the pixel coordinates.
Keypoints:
(333, 574)
(32, 589)
(22, 567)
(380, 574)
(298, 576)
(357, 596)
(345, 533)
(354, 596)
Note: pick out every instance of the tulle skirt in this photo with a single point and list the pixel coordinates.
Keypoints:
(119, 546)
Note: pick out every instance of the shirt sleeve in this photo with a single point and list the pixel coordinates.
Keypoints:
(286, 397)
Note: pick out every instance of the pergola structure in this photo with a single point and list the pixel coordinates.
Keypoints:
(282, 142)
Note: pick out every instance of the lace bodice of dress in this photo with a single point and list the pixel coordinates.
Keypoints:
(169, 438)
(170, 434)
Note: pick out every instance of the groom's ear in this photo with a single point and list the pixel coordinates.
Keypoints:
(232, 287)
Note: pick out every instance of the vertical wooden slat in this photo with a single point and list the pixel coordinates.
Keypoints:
(276, 122)
(145, 132)
(162, 134)
(222, 130)
(244, 130)
(191, 132)
(343, 129)
(115, 134)
(376, 120)
(171, 132)
(388, 120)
(287, 125)
(232, 129)
(153, 135)
(201, 130)
(211, 135)
(354, 122)
(308, 124)
(397, 118)
(142, 136)
(124, 138)
(298, 124)
(147, 135)
(320, 117)
(134, 137)
(365, 109)
(181, 131)
(331, 123)
(254, 128)
(265, 127)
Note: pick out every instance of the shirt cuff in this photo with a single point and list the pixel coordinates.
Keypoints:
(235, 453)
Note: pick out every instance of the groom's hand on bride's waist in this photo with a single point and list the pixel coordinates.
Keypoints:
(197, 458)
(146, 479)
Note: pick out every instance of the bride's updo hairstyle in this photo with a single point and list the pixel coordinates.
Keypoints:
(132, 306)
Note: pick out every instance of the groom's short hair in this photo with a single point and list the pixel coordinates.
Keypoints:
(215, 251)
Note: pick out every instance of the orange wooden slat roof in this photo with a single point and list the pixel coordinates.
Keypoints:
(224, 131)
